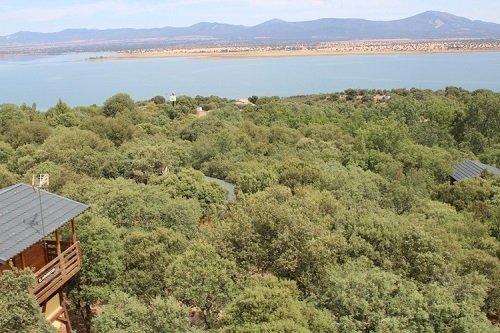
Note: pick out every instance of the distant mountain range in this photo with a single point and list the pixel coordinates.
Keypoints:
(427, 25)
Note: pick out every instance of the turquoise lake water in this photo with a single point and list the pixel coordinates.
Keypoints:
(44, 80)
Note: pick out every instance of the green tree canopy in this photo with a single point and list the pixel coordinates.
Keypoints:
(149, 253)
(201, 278)
(272, 305)
(124, 313)
(19, 310)
(118, 103)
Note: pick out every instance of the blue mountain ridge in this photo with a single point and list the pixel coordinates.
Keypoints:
(427, 25)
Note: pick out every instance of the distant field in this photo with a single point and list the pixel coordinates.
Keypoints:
(321, 49)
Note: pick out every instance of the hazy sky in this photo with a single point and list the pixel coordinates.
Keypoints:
(55, 15)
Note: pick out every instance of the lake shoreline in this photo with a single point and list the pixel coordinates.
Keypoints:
(257, 55)
(337, 48)
(352, 48)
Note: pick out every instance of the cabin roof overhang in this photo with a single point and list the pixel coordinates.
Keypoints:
(29, 214)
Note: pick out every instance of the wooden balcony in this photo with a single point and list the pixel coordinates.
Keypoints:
(57, 272)
(51, 248)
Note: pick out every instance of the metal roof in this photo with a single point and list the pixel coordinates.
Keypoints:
(228, 186)
(21, 210)
(472, 169)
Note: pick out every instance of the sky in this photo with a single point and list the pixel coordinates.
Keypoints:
(56, 15)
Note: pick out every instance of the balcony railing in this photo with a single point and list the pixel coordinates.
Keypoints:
(57, 272)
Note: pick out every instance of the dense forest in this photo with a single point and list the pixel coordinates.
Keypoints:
(344, 220)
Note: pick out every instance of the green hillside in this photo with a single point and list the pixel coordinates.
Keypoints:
(344, 219)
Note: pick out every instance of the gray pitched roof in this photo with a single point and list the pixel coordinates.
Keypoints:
(21, 217)
(471, 169)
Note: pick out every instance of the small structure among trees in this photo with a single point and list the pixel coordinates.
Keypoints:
(30, 237)
(471, 169)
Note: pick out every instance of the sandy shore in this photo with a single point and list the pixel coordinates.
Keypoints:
(327, 49)
(270, 54)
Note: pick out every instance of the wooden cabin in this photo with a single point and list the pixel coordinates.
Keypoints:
(30, 237)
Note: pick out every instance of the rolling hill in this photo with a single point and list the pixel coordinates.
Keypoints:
(427, 25)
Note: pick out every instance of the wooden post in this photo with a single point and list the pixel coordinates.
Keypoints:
(64, 317)
(22, 260)
(58, 242)
(73, 231)
(46, 251)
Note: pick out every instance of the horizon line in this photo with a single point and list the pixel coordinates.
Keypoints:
(241, 25)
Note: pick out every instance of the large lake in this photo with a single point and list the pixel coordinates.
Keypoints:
(44, 80)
